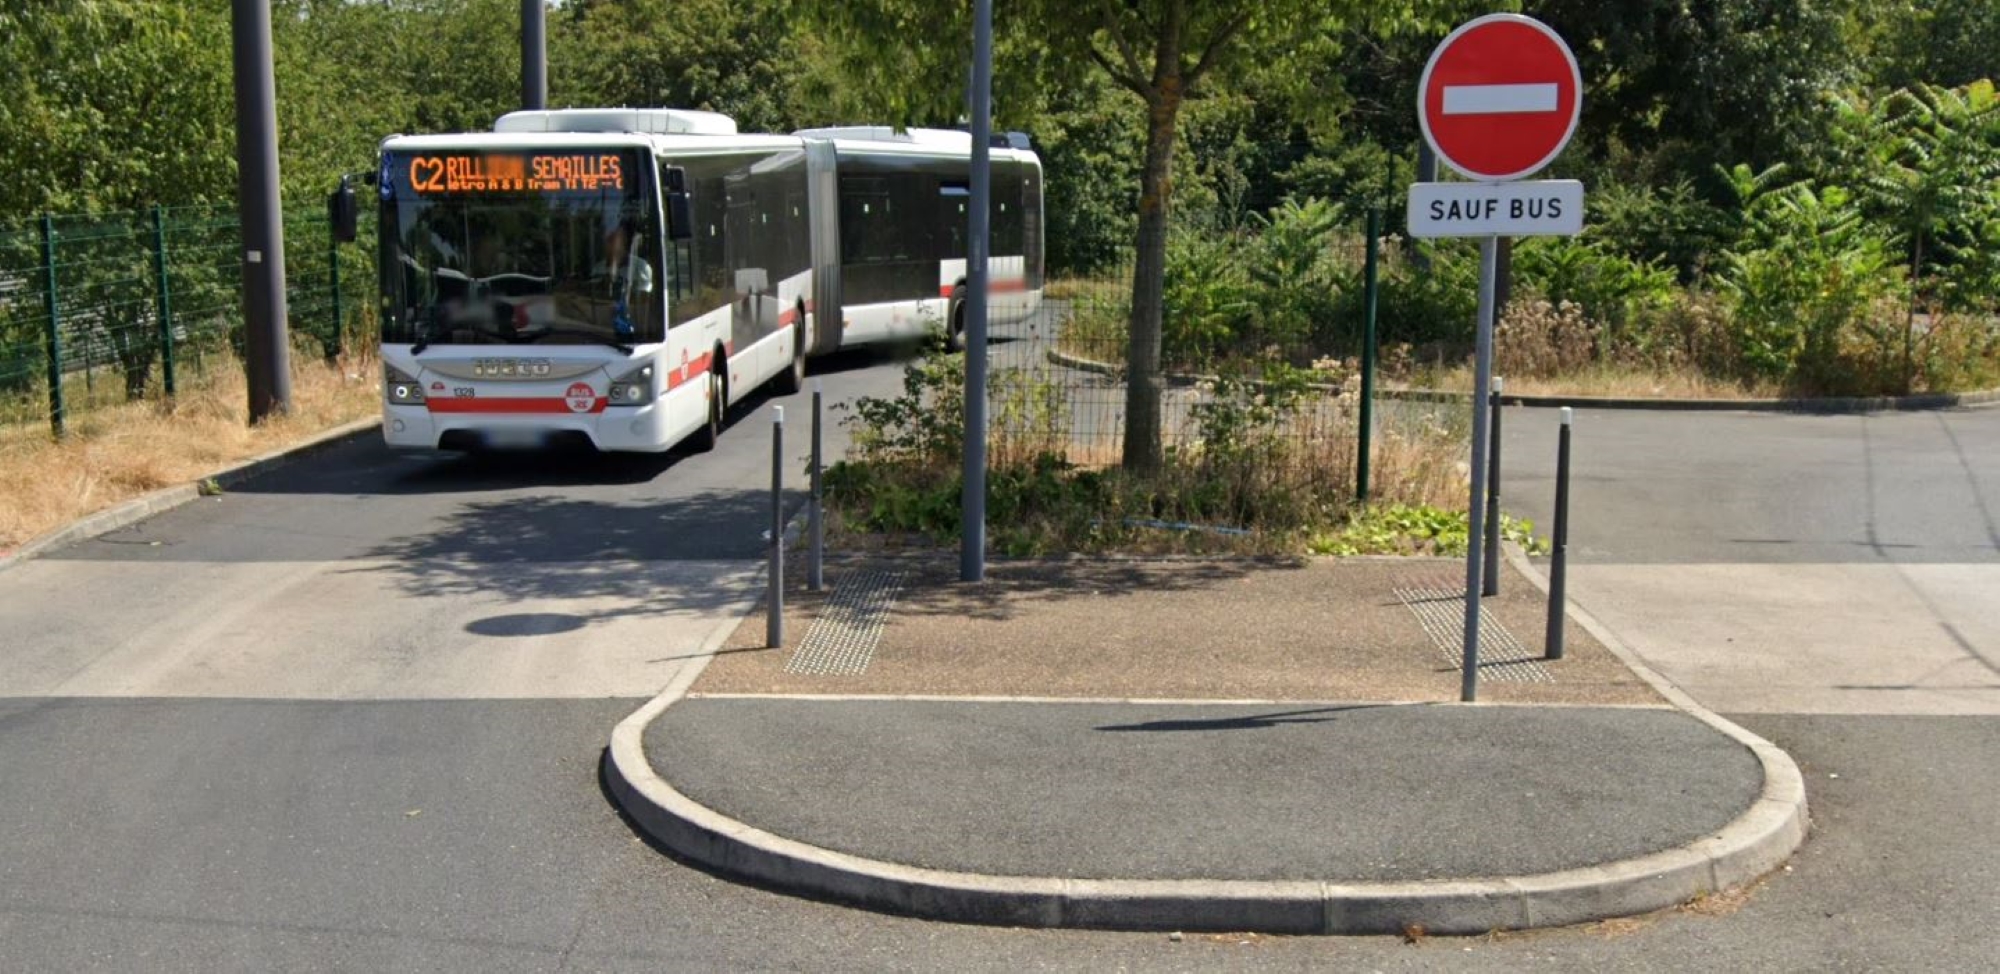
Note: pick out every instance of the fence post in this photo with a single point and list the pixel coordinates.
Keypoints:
(1368, 355)
(163, 306)
(53, 336)
(332, 347)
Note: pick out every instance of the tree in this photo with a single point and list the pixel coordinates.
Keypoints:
(1163, 52)
(1923, 159)
(113, 105)
(714, 55)
(1675, 89)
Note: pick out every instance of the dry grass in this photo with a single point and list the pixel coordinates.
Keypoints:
(1685, 351)
(1614, 381)
(115, 453)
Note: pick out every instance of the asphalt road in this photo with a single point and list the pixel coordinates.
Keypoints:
(1774, 563)
(349, 716)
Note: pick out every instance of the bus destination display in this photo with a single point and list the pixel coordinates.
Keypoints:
(514, 173)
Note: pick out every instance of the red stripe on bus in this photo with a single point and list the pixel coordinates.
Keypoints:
(997, 284)
(695, 367)
(531, 406)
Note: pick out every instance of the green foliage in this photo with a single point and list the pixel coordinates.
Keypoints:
(1433, 309)
(1923, 162)
(114, 105)
(1670, 225)
(1295, 268)
(1414, 529)
(1675, 89)
(741, 59)
(1208, 299)
(923, 427)
(1809, 275)
(1253, 478)
(1610, 287)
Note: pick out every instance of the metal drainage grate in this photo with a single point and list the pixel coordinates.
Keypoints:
(1501, 656)
(843, 639)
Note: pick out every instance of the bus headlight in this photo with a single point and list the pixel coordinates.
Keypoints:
(634, 388)
(400, 388)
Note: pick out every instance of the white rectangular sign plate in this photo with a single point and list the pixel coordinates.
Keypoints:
(1535, 208)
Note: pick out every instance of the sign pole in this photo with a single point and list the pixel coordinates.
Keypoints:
(1499, 99)
(1476, 508)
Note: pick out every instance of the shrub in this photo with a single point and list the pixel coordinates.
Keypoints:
(1609, 287)
(1207, 299)
(1808, 277)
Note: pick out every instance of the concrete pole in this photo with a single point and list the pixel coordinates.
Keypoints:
(534, 55)
(263, 249)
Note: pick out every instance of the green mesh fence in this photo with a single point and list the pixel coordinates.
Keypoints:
(1261, 336)
(108, 308)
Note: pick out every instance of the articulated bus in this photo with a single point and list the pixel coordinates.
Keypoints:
(621, 276)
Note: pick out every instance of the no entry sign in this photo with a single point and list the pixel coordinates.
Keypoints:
(1500, 97)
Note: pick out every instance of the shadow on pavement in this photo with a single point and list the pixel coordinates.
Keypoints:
(1317, 715)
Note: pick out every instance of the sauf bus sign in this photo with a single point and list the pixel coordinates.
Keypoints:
(1498, 100)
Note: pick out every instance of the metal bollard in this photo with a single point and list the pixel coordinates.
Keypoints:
(1492, 567)
(1553, 645)
(816, 554)
(774, 626)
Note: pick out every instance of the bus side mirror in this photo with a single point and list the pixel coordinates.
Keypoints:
(341, 212)
(680, 216)
(680, 211)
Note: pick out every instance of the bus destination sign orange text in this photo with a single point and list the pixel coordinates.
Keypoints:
(515, 173)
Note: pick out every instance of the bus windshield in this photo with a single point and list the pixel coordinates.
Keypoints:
(520, 247)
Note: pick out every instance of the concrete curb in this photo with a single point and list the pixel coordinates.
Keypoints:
(1776, 824)
(1758, 841)
(1873, 404)
(167, 498)
(1824, 407)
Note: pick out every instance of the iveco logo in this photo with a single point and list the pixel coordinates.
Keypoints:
(510, 368)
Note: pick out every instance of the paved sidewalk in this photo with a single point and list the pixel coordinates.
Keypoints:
(1198, 744)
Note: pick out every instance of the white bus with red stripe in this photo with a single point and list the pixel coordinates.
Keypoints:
(620, 276)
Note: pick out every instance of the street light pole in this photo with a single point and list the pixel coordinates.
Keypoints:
(263, 232)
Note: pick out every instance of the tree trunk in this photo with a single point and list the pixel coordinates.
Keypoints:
(1143, 453)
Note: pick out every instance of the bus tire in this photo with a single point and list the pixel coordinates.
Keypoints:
(793, 378)
(710, 432)
(954, 330)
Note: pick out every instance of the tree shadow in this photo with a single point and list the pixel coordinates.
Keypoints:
(932, 585)
(646, 558)
(1316, 715)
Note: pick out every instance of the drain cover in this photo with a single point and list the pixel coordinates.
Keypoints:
(843, 639)
(1501, 656)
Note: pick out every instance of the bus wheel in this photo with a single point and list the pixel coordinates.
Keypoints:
(794, 377)
(954, 334)
(710, 433)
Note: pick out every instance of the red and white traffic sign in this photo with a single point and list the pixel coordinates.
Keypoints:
(1500, 97)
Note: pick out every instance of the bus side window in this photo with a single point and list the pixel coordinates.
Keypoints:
(954, 197)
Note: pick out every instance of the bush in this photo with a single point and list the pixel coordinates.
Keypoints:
(1435, 309)
(1208, 299)
(1810, 279)
(1609, 287)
